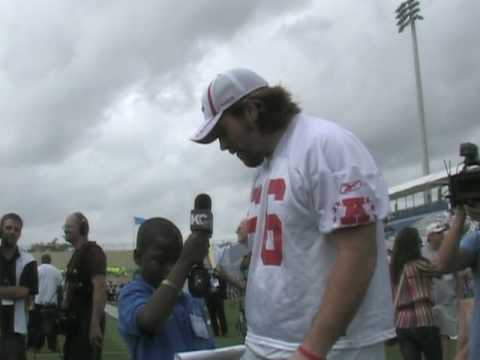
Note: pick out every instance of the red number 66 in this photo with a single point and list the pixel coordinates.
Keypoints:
(273, 224)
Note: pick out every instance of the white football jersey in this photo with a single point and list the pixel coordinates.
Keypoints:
(319, 179)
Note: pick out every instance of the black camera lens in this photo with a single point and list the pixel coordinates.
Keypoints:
(470, 152)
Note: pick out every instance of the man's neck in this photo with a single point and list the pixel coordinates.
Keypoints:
(272, 140)
(77, 244)
(8, 251)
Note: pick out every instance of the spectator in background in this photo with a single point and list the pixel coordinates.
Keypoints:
(111, 291)
(115, 293)
(214, 300)
(459, 252)
(465, 310)
(46, 306)
(86, 292)
(412, 280)
(239, 284)
(18, 282)
(444, 288)
(216, 307)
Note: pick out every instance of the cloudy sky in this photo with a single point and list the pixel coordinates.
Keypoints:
(98, 99)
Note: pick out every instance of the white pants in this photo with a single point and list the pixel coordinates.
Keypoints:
(372, 352)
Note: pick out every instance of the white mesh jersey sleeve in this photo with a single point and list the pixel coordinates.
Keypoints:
(347, 189)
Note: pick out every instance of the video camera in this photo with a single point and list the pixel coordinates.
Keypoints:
(66, 322)
(202, 282)
(464, 186)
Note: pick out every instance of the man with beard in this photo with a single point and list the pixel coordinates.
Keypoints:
(318, 279)
(18, 284)
(85, 293)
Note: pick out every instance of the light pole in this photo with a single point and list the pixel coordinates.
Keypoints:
(407, 14)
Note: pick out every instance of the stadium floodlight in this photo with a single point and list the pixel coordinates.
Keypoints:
(407, 14)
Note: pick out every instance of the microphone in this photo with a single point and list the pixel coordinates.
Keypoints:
(201, 219)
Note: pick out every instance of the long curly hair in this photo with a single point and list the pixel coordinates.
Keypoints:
(274, 105)
(406, 248)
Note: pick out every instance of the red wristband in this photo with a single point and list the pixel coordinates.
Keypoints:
(309, 355)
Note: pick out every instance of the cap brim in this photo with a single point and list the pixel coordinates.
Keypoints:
(438, 230)
(205, 134)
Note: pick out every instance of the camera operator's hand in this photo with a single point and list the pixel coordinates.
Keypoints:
(460, 213)
(458, 218)
(473, 211)
(195, 248)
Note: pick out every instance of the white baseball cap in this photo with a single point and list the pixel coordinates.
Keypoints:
(224, 91)
(437, 227)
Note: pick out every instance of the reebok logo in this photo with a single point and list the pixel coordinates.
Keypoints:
(348, 187)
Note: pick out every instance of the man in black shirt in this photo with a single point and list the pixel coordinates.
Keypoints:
(15, 296)
(86, 292)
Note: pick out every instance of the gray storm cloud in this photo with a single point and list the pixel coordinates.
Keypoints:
(99, 100)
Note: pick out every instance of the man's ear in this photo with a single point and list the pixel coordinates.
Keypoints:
(252, 110)
(137, 256)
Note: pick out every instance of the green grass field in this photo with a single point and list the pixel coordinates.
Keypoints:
(115, 349)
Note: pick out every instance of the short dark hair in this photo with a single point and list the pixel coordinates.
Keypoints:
(46, 259)
(11, 216)
(155, 228)
(274, 105)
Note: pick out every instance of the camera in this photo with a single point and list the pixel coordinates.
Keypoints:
(464, 186)
(202, 282)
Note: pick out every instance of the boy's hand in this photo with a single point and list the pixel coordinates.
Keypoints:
(195, 248)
